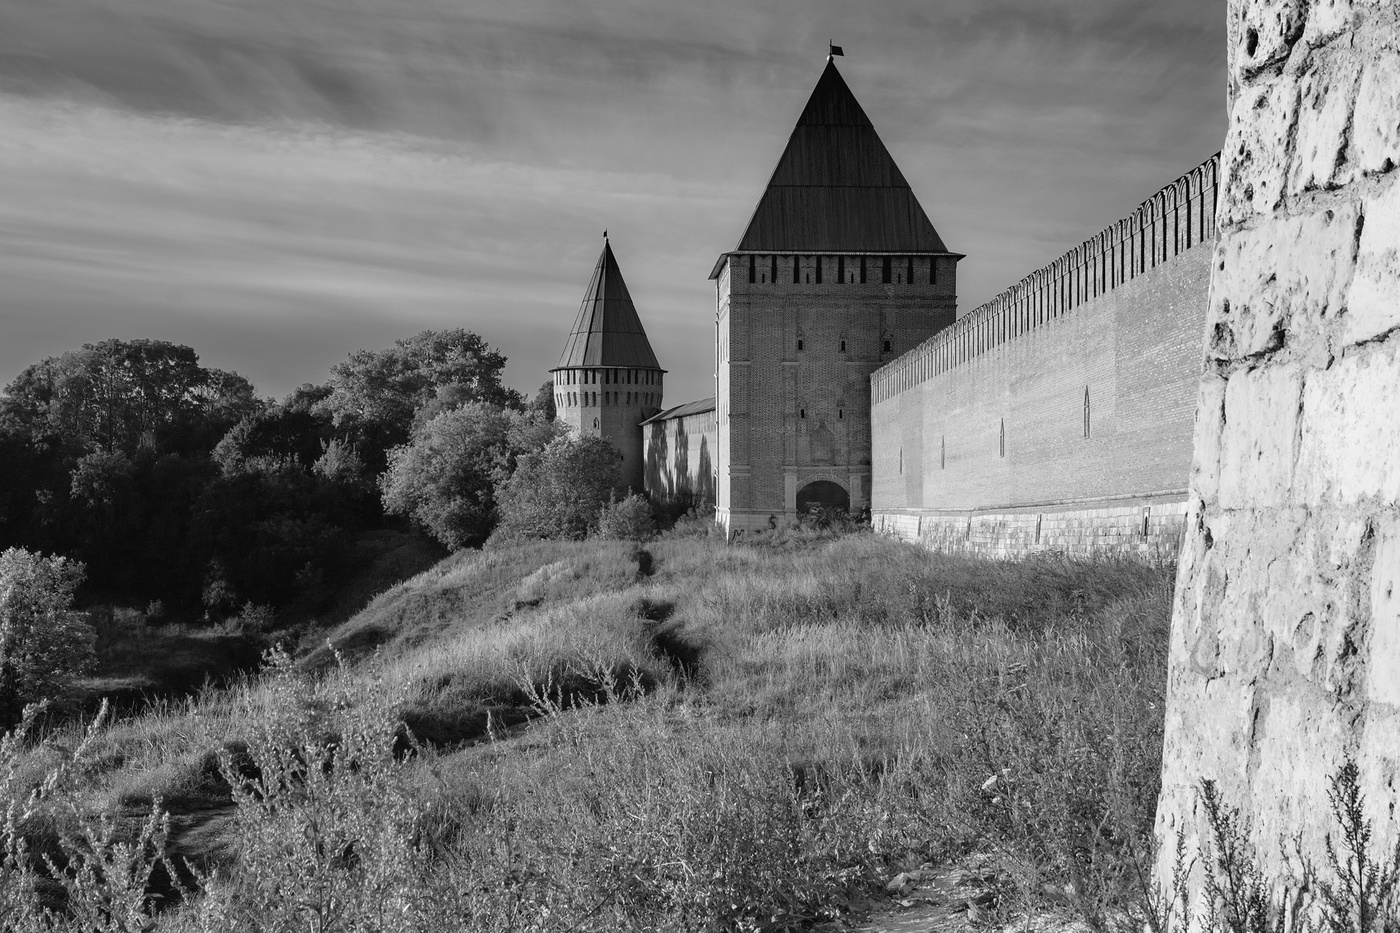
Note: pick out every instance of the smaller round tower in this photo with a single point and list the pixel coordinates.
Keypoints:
(608, 381)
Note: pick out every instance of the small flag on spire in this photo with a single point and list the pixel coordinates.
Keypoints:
(836, 50)
(605, 234)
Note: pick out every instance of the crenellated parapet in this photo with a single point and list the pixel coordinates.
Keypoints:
(1172, 221)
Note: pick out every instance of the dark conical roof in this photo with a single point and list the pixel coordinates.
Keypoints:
(608, 331)
(836, 188)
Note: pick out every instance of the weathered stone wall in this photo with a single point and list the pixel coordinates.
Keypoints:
(1285, 654)
(1150, 527)
(1060, 414)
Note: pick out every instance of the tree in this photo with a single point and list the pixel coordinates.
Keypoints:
(267, 535)
(559, 491)
(306, 397)
(447, 476)
(44, 644)
(375, 393)
(544, 400)
(280, 436)
(32, 476)
(120, 395)
(339, 463)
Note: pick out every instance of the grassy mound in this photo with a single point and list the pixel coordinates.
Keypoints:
(687, 736)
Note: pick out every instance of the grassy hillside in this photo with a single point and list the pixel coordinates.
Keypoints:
(685, 735)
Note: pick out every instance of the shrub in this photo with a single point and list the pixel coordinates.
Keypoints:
(340, 463)
(1357, 893)
(255, 618)
(44, 643)
(694, 523)
(559, 491)
(63, 867)
(629, 519)
(327, 819)
(448, 476)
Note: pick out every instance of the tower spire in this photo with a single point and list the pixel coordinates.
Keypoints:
(608, 381)
(836, 188)
(607, 331)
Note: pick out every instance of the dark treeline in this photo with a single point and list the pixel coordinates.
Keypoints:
(174, 482)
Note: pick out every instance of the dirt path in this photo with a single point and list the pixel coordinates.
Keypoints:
(951, 900)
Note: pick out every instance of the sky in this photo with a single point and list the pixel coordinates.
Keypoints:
(278, 183)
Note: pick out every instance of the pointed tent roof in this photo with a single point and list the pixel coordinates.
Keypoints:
(836, 188)
(607, 331)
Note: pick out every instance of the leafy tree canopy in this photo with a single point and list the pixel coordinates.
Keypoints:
(559, 491)
(280, 436)
(544, 400)
(121, 395)
(447, 476)
(305, 397)
(375, 393)
(44, 644)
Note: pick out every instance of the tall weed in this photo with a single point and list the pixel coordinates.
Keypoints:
(723, 738)
(1358, 891)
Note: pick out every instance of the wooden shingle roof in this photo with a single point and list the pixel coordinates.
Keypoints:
(836, 188)
(608, 332)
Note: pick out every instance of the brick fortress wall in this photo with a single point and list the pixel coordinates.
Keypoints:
(1059, 414)
(611, 402)
(679, 455)
(797, 339)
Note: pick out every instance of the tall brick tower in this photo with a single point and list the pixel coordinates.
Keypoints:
(608, 381)
(839, 271)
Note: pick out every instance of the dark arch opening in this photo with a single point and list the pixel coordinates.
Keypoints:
(823, 494)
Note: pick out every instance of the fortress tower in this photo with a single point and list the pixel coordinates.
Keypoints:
(608, 381)
(839, 271)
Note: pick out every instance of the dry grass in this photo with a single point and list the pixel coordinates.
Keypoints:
(722, 737)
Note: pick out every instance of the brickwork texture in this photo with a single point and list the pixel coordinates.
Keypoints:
(795, 355)
(679, 454)
(611, 402)
(1047, 406)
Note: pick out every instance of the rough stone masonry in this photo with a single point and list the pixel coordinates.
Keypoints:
(1285, 656)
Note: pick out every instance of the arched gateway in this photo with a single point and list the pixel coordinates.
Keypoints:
(823, 494)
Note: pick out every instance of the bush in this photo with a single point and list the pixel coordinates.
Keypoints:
(327, 821)
(559, 491)
(340, 463)
(255, 618)
(64, 867)
(694, 523)
(1357, 892)
(448, 476)
(629, 519)
(44, 644)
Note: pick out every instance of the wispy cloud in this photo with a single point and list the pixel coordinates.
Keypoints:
(279, 182)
